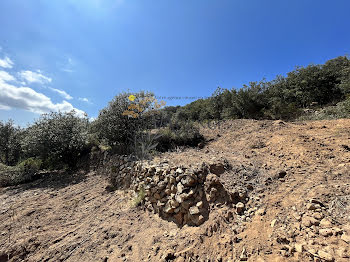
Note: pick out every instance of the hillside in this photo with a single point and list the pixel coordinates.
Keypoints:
(297, 180)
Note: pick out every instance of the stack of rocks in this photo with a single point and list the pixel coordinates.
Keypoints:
(184, 195)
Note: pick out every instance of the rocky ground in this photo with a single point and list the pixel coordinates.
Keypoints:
(296, 176)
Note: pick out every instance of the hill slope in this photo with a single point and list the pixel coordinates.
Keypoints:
(299, 204)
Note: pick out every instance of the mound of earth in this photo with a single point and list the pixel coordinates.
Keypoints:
(295, 204)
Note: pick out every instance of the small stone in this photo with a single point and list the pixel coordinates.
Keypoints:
(174, 203)
(297, 216)
(338, 231)
(179, 218)
(282, 174)
(239, 207)
(179, 171)
(325, 223)
(309, 221)
(197, 219)
(194, 210)
(273, 222)
(342, 252)
(316, 201)
(313, 252)
(199, 204)
(156, 196)
(188, 181)
(217, 168)
(311, 206)
(318, 216)
(180, 198)
(299, 247)
(325, 232)
(168, 209)
(180, 187)
(243, 256)
(172, 180)
(261, 211)
(324, 255)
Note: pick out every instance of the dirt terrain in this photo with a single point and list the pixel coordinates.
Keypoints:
(298, 181)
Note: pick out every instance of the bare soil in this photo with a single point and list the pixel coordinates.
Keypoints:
(298, 179)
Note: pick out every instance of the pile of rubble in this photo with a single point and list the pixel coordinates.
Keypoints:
(308, 232)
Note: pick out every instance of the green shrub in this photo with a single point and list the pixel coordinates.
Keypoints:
(114, 126)
(57, 138)
(21, 173)
(340, 110)
(179, 134)
(138, 200)
(33, 164)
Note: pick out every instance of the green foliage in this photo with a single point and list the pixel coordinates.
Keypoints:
(57, 139)
(10, 147)
(139, 199)
(281, 98)
(179, 134)
(31, 164)
(21, 173)
(144, 144)
(117, 128)
(340, 110)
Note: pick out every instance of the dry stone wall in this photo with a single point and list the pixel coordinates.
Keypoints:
(184, 195)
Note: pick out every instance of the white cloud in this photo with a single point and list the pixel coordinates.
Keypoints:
(34, 77)
(62, 93)
(2, 107)
(6, 62)
(84, 99)
(28, 99)
(6, 77)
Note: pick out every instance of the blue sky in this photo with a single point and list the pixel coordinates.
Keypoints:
(64, 54)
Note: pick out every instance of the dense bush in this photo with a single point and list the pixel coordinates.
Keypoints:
(340, 110)
(178, 134)
(117, 124)
(282, 98)
(21, 173)
(124, 124)
(57, 138)
(10, 148)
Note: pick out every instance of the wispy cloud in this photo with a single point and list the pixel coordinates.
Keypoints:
(6, 77)
(28, 99)
(34, 77)
(62, 93)
(84, 99)
(69, 65)
(6, 62)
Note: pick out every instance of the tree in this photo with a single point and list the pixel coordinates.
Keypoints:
(10, 148)
(57, 138)
(124, 119)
